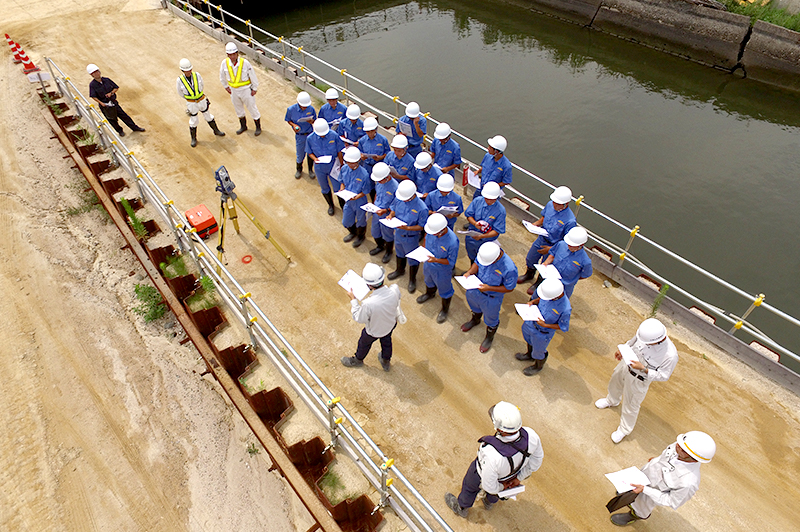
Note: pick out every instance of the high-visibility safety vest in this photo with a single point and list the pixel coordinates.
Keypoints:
(193, 89)
(235, 81)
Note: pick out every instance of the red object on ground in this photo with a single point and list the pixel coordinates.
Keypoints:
(13, 46)
(201, 219)
(465, 180)
(27, 64)
(247, 259)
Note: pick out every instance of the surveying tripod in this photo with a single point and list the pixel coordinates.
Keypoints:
(225, 187)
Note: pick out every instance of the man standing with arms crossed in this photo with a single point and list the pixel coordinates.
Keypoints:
(239, 79)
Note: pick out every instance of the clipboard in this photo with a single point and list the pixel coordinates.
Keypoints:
(621, 500)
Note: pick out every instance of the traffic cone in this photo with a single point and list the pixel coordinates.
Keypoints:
(27, 64)
(14, 48)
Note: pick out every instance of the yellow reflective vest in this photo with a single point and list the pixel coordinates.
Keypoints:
(235, 81)
(193, 89)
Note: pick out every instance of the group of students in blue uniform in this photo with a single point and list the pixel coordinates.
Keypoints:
(415, 186)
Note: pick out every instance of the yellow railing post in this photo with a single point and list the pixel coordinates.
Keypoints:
(630, 241)
(756, 303)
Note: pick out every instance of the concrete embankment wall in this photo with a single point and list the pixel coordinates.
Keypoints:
(760, 51)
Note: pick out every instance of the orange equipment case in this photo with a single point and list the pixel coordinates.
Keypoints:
(201, 219)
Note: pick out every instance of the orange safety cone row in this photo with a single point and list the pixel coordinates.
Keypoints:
(14, 49)
(27, 64)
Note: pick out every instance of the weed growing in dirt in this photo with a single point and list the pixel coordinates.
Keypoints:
(334, 488)
(658, 300)
(136, 224)
(174, 267)
(207, 283)
(765, 11)
(152, 304)
(83, 136)
(252, 450)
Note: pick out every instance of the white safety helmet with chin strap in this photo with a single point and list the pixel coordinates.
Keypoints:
(442, 131)
(91, 67)
(321, 127)
(352, 155)
(373, 274)
(412, 110)
(423, 160)
(445, 183)
(185, 65)
(488, 253)
(331, 94)
(698, 445)
(651, 331)
(370, 124)
(498, 142)
(304, 99)
(577, 236)
(550, 289)
(490, 190)
(380, 171)
(400, 141)
(353, 112)
(231, 48)
(506, 417)
(561, 195)
(406, 190)
(436, 222)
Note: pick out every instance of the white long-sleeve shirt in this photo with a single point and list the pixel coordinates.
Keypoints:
(659, 359)
(247, 73)
(378, 312)
(672, 481)
(493, 466)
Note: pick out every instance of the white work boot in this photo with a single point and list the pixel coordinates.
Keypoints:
(617, 436)
(603, 403)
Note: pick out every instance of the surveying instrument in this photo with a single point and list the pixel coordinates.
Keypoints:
(225, 187)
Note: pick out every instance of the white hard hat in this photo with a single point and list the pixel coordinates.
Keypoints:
(506, 417)
(498, 142)
(436, 222)
(561, 195)
(373, 274)
(370, 124)
(550, 289)
(651, 331)
(406, 190)
(380, 171)
(400, 141)
(442, 131)
(423, 160)
(490, 190)
(304, 99)
(576, 236)
(331, 94)
(231, 48)
(445, 183)
(353, 111)
(412, 110)
(352, 155)
(91, 67)
(185, 65)
(488, 253)
(699, 445)
(321, 127)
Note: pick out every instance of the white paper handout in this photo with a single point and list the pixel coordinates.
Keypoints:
(420, 194)
(511, 493)
(435, 165)
(348, 141)
(471, 232)
(627, 353)
(351, 281)
(469, 283)
(335, 124)
(420, 254)
(473, 179)
(548, 272)
(392, 223)
(306, 119)
(528, 312)
(370, 207)
(535, 229)
(324, 159)
(447, 209)
(405, 128)
(346, 195)
(622, 480)
(337, 167)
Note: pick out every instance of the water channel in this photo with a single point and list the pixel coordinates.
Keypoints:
(707, 164)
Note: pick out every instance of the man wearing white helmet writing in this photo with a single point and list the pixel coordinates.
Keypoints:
(373, 146)
(556, 312)
(511, 455)
(300, 116)
(674, 476)
(654, 359)
(190, 89)
(446, 151)
(416, 126)
(240, 81)
(570, 259)
(332, 111)
(495, 166)
(104, 91)
(324, 147)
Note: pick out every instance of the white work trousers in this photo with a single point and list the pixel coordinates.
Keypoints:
(195, 108)
(623, 384)
(241, 98)
(643, 506)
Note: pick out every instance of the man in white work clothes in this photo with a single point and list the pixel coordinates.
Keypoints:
(656, 358)
(674, 476)
(190, 88)
(239, 79)
(505, 459)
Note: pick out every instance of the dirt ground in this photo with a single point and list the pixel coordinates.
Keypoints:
(109, 425)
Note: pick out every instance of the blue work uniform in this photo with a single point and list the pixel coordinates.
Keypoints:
(384, 196)
(446, 154)
(502, 272)
(378, 146)
(352, 130)
(572, 266)
(402, 166)
(436, 200)
(557, 224)
(441, 275)
(412, 212)
(497, 171)
(553, 311)
(355, 181)
(331, 145)
(333, 116)
(426, 181)
(414, 140)
(303, 118)
(494, 215)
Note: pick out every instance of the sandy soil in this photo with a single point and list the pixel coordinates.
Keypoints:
(111, 427)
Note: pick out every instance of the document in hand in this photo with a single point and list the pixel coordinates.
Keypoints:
(447, 209)
(336, 169)
(324, 159)
(622, 480)
(511, 493)
(348, 141)
(393, 223)
(420, 254)
(548, 272)
(528, 312)
(306, 119)
(471, 233)
(473, 179)
(627, 353)
(351, 281)
(535, 229)
(370, 207)
(405, 128)
(469, 283)
(346, 194)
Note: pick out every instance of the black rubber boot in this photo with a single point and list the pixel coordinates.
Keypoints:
(213, 126)
(258, 126)
(329, 199)
(298, 167)
(529, 273)
(341, 202)
(401, 269)
(361, 235)
(389, 252)
(536, 367)
(429, 293)
(379, 244)
(526, 355)
(242, 125)
(193, 133)
(475, 320)
(412, 279)
(351, 234)
(487, 341)
(310, 164)
(442, 317)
